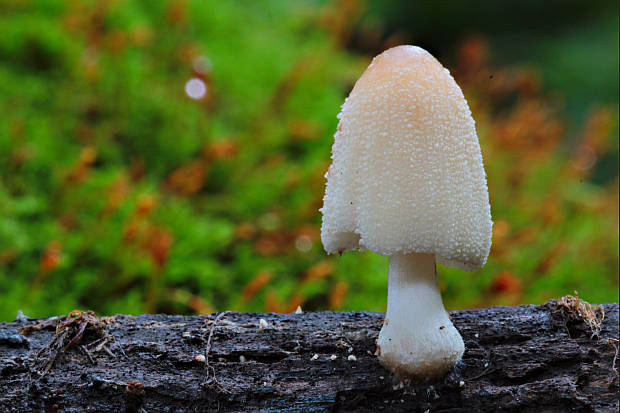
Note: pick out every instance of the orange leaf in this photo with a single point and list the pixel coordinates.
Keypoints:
(177, 12)
(259, 281)
(158, 244)
(505, 282)
(245, 230)
(266, 247)
(131, 231)
(551, 258)
(473, 55)
(116, 195)
(274, 243)
(51, 257)
(337, 295)
(194, 302)
(115, 40)
(188, 179)
(271, 302)
(304, 130)
(221, 150)
(146, 204)
(296, 301)
(87, 157)
(318, 271)
(7, 256)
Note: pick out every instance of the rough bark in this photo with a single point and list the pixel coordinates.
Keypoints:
(518, 359)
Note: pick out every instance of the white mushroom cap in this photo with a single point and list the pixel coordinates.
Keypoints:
(407, 173)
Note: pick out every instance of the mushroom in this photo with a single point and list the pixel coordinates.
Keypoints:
(407, 182)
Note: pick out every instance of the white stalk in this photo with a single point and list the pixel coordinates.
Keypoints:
(417, 340)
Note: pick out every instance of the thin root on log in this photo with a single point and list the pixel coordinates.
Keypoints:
(70, 331)
(574, 309)
(208, 368)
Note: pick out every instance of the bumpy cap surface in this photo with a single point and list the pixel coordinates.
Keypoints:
(407, 173)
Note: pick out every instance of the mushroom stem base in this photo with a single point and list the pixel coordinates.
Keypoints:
(417, 340)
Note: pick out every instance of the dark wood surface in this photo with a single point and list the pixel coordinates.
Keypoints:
(517, 359)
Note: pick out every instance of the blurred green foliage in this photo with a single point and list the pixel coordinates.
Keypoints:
(120, 193)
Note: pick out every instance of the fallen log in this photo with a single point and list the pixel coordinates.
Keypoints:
(557, 357)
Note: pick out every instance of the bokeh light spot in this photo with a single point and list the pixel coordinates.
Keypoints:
(202, 65)
(584, 158)
(303, 243)
(195, 88)
(269, 221)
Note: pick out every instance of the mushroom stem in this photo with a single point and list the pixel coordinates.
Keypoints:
(417, 340)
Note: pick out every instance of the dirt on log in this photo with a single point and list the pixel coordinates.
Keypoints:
(557, 357)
